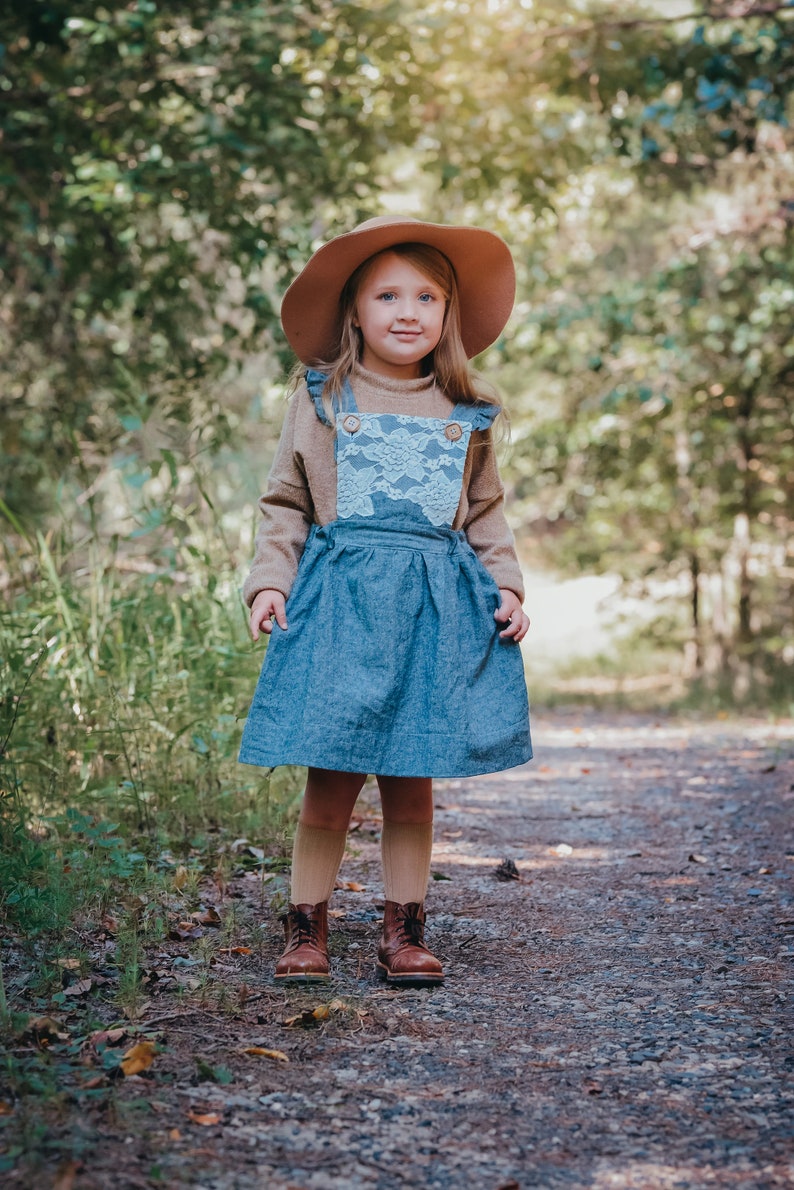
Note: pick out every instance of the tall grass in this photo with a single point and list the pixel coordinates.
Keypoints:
(124, 676)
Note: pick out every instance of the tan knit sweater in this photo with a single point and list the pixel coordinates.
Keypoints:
(301, 489)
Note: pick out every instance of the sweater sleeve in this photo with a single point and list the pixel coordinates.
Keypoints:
(485, 524)
(287, 516)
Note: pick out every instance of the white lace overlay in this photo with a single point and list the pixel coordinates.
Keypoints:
(403, 458)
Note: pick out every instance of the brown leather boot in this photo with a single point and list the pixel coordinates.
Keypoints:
(305, 958)
(403, 957)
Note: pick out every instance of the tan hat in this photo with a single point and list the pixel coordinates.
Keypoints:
(481, 260)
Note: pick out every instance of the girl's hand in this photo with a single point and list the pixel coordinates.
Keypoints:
(268, 606)
(511, 612)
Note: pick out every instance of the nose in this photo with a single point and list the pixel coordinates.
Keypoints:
(407, 312)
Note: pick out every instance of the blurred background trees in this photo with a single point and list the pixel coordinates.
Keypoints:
(166, 168)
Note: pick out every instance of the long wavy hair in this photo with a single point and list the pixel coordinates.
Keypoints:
(453, 372)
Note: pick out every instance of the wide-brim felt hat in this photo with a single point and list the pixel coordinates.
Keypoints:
(481, 259)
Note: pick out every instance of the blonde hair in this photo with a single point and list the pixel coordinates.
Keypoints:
(454, 375)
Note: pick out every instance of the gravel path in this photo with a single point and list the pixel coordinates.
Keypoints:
(616, 1017)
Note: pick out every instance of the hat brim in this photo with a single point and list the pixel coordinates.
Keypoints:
(481, 259)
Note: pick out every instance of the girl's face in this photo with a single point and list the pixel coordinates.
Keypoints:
(400, 313)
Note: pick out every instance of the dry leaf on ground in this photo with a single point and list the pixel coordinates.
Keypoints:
(136, 1012)
(310, 1016)
(205, 1119)
(207, 917)
(185, 931)
(44, 1030)
(139, 1058)
(80, 988)
(258, 1051)
(107, 1036)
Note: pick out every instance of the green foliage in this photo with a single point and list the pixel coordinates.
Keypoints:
(122, 698)
(160, 168)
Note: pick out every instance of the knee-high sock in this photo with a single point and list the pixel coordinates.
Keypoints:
(316, 856)
(406, 849)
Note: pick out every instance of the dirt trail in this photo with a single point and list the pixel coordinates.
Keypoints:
(616, 1018)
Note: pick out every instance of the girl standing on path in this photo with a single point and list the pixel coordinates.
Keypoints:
(385, 572)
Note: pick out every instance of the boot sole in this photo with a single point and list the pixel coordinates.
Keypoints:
(301, 978)
(417, 979)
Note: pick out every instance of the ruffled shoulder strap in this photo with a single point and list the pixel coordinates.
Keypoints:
(315, 382)
(480, 416)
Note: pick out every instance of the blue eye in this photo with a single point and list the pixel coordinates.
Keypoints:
(387, 297)
(426, 297)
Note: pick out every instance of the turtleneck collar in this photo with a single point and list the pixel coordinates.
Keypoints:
(389, 385)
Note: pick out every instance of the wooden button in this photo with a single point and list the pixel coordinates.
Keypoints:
(453, 431)
(351, 423)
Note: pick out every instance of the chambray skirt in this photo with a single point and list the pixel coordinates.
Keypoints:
(392, 662)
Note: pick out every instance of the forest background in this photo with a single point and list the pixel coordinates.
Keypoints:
(165, 169)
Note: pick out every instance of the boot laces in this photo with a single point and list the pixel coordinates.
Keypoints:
(412, 927)
(303, 928)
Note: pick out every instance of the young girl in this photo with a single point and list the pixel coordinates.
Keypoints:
(385, 572)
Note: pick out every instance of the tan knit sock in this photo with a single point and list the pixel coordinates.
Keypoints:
(406, 848)
(316, 856)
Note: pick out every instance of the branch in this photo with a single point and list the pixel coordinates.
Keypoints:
(735, 12)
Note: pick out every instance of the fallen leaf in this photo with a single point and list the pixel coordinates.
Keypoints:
(206, 1119)
(107, 1036)
(68, 964)
(6, 1109)
(43, 1030)
(350, 886)
(180, 877)
(136, 1012)
(185, 931)
(337, 913)
(98, 1080)
(80, 988)
(207, 917)
(698, 859)
(562, 849)
(310, 1016)
(139, 1058)
(235, 950)
(258, 1051)
(174, 1134)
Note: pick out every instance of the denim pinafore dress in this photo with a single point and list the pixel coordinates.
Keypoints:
(392, 662)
